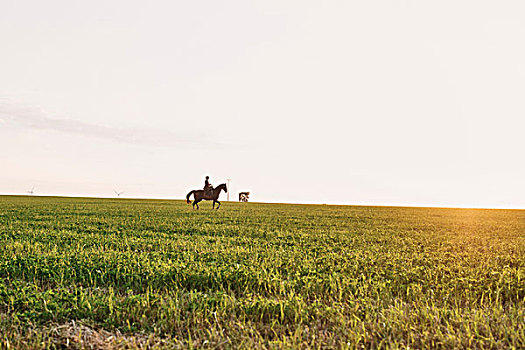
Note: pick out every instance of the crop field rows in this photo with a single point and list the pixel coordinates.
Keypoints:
(108, 273)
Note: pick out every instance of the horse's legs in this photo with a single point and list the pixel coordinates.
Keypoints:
(213, 207)
(218, 205)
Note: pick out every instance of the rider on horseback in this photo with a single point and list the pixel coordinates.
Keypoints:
(209, 193)
(207, 186)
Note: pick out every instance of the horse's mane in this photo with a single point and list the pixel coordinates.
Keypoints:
(219, 186)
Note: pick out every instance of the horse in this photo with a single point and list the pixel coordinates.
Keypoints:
(212, 196)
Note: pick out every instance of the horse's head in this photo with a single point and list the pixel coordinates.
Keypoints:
(223, 187)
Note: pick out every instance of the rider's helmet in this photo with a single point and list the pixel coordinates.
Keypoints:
(207, 177)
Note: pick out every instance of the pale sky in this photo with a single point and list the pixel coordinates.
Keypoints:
(350, 102)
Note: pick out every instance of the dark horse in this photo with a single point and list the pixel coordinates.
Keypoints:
(212, 195)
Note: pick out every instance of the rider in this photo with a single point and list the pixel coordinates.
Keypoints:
(207, 185)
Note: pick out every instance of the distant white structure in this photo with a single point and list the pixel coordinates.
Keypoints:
(32, 191)
(117, 193)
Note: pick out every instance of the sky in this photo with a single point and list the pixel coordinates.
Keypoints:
(416, 103)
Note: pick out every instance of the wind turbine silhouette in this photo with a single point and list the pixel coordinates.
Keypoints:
(32, 191)
(117, 193)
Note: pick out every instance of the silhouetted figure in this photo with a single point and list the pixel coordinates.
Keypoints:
(207, 182)
(207, 186)
(200, 195)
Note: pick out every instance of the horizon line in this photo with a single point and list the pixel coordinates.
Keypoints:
(383, 205)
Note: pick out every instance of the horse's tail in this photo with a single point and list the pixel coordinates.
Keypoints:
(188, 197)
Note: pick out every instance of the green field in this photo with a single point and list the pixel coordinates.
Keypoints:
(103, 273)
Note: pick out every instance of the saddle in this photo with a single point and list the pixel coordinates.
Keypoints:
(208, 190)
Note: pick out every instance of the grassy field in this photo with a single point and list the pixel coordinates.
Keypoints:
(102, 273)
